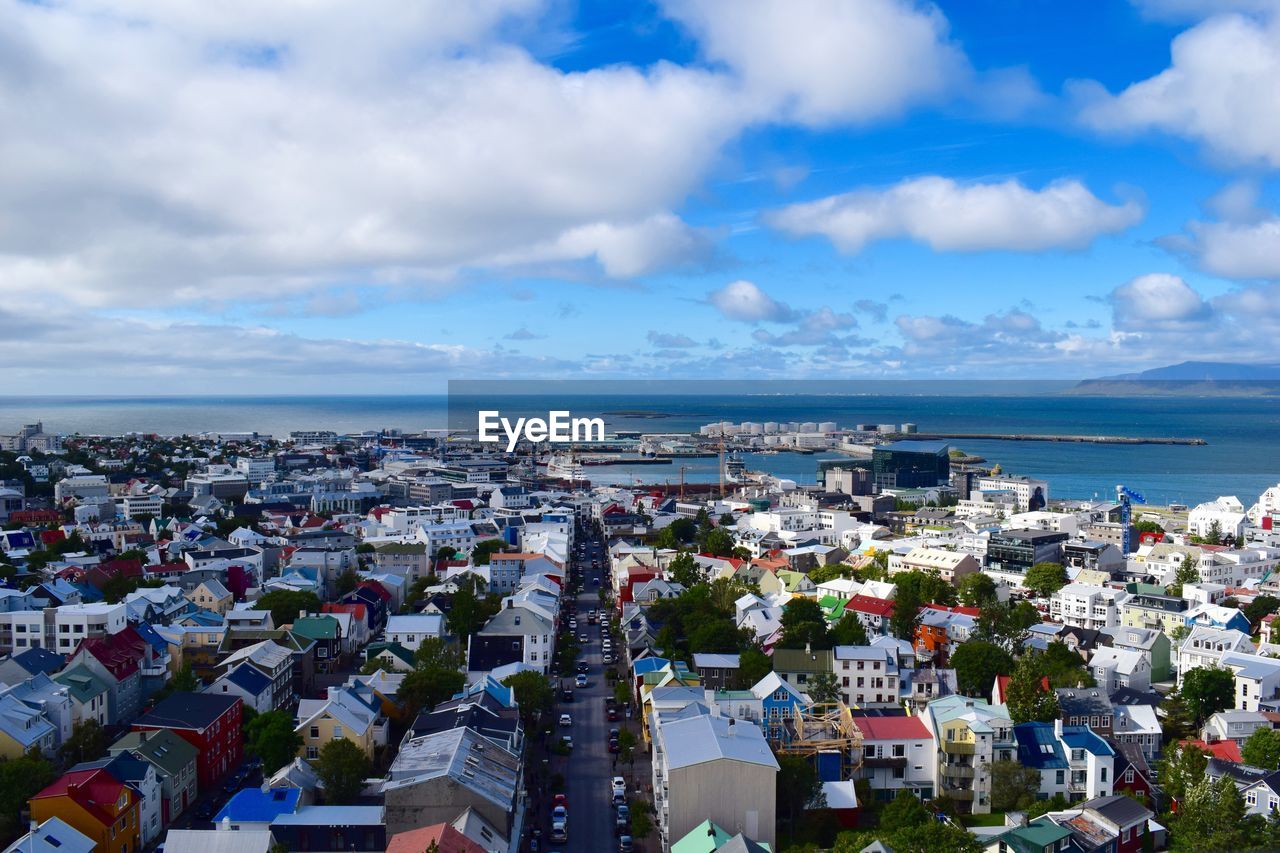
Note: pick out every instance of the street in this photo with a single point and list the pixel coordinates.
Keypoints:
(590, 767)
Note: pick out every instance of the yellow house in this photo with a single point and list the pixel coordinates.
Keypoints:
(95, 804)
(22, 728)
(352, 712)
(212, 595)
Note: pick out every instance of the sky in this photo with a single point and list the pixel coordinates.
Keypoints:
(311, 196)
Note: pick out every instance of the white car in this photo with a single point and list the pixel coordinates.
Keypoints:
(580, 681)
(566, 720)
(618, 785)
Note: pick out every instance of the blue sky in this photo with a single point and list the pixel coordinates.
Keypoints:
(315, 197)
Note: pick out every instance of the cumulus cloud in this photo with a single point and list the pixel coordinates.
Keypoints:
(822, 62)
(1219, 90)
(950, 216)
(668, 340)
(661, 241)
(745, 302)
(522, 334)
(1158, 301)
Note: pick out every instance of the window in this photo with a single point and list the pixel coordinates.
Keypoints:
(1104, 774)
(899, 750)
(1060, 777)
(1128, 775)
(337, 731)
(315, 732)
(312, 753)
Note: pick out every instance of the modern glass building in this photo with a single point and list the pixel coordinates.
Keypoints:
(911, 464)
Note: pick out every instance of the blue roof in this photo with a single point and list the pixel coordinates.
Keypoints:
(1083, 737)
(253, 805)
(153, 638)
(249, 679)
(1038, 748)
(205, 617)
(645, 665)
(38, 660)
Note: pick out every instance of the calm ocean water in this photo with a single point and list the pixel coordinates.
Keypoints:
(1240, 457)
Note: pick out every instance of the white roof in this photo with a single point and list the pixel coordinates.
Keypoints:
(697, 740)
(52, 836)
(216, 841)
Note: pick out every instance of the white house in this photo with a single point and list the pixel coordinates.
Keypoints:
(409, 630)
(1226, 512)
(1087, 606)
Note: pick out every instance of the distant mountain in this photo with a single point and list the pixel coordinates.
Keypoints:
(1190, 378)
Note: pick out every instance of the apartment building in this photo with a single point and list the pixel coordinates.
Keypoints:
(968, 735)
(897, 754)
(1087, 606)
(866, 676)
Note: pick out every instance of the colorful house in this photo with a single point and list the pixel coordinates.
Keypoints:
(210, 723)
(97, 805)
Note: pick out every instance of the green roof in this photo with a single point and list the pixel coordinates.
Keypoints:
(395, 649)
(1034, 837)
(394, 548)
(316, 627)
(82, 683)
(161, 747)
(695, 841)
(798, 660)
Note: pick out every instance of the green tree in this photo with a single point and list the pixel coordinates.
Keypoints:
(1147, 527)
(798, 788)
(849, 631)
(436, 653)
(977, 663)
(1262, 605)
(343, 767)
(727, 520)
(666, 539)
(904, 810)
(285, 605)
(927, 837)
(622, 692)
(1006, 624)
(822, 574)
(468, 613)
(346, 582)
(1063, 667)
(803, 622)
(906, 615)
(1180, 769)
(185, 681)
(641, 818)
(684, 570)
(484, 550)
(924, 587)
(1206, 690)
(1044, 579)
(1262, 749)
(87, 742)
(753, 665)
(823, 687)
(1187, 573)
(445, 552)
(272, 738)
(716, 636)
(1214, 534)
(1025, 695)
(534, 695)
(976, 589)
(1013, 786)
(718, 542)
(424, 688)
(20, 780)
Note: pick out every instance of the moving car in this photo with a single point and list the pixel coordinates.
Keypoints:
(584, 639)
(566, 695)
(580, 681)
(560, 800)
(560, 832)
(566, 720)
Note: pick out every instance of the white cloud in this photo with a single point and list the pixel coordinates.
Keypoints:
(826, 62)
(661, 241)
(1219, 89)
(949, 216)
(746, 302)
(1157, 302)
(669, 340)
(1246, 250)
(1191, 10)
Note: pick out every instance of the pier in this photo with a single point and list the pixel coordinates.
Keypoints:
(1076, 439)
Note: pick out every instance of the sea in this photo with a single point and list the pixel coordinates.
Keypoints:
(1238, 459)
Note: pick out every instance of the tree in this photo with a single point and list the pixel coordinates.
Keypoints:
(1187, 573)
(718, 542)
(1006, 624)
(1025, 695)
(924, 587)
(1044, 579)
(1262, 605)
(346, 582)
(849, 631)
(20, 780)
(977, 663)
(804, 623)
(285, 605)
(798, 788)
(822, 574)
(1262, 749)
(823, 688)
(185, 681)
(534, 695)
(666, 539)
(718, 636)
(485, 549)
(87, 742)
(1213, 536)
(906, 615)
(905, 809)
(272, 738)
(1206, 690)
(1063, 667)
(435, 653)
(1013, 786)
(428, 687)
(727, 520)
(468, 613)
(445, 552)
(343, 767)
(1180, 769)
(976, 589)
(622, 692)
(926, 837)
(1212, 817)
(684, 570)
(753, 665)
(641, 821)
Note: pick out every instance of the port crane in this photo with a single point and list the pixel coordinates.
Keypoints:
(1127, 496)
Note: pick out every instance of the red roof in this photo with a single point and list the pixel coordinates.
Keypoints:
(94, 790)
(120, 653)
(167, 568)
(445, 838)
(733, 561)
(376, 588)
(356, 610)
(968, 611)
(869, 604)
(1002, 687)
(1227, 750)
(891, 728)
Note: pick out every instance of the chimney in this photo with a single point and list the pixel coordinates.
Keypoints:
(1057, 728)
(807, 649)
(225, 825)
(729, 732)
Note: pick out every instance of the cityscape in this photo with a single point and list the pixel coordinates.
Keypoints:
(640, 426)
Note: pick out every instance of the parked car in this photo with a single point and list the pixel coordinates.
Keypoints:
(613, 745)
(625, 845)
(612, 715)
(559, 813)
(618, 785)
(560, 800)
(566, 695)
(566, 720)
(560, 832)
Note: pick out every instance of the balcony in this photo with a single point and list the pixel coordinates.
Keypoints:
(957, 771)
(884, 762)
(962, 794)
(958, 747)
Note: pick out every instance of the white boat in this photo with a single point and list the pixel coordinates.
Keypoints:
(564, 467)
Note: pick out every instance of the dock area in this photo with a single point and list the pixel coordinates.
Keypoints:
(1076, 439)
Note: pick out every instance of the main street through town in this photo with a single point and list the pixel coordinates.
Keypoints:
(590, 767)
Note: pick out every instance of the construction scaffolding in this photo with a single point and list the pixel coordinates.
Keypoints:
(825, 729)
